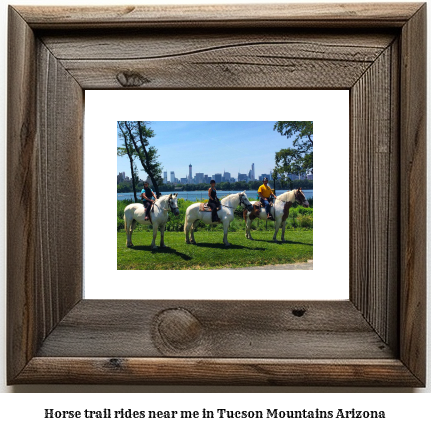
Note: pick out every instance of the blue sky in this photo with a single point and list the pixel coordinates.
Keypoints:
(213, 147)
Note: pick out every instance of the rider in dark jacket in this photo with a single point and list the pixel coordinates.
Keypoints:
(148, 198)
(213, 201)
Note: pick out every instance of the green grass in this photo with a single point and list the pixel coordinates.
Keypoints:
(210, 252)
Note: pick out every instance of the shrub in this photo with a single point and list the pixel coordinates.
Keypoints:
(305, 221)
(120, 224)
(299, 217)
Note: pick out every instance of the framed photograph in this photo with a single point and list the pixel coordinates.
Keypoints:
(375, 337)
(204, 138)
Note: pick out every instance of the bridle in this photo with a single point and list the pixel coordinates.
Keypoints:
(298, 193)
(170, 206)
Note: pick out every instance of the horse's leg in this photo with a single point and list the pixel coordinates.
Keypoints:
(192, 231)
(188, 225)
(225, 230)
(153, 244)
(127, 231)
(248, 223)
(162, 236)
(277, 226)
(128, 225)
(132, 226)
(283, 229)
(187, 228)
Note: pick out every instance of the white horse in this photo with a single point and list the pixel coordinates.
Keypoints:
(279, 212)
(136, 213)
(225, 214)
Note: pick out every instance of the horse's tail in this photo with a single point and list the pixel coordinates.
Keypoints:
(125, 221)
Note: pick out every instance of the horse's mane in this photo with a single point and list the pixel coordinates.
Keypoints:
(230, 195)
(287, 194)
(162, 197)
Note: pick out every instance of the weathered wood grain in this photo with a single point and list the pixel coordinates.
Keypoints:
(300, 15)
(21, 195)
(59, 186)
(140, 44)
(233, 329)
(192, 59)
(329, 372)
(413, 194)
(374, 200)
(45, 188)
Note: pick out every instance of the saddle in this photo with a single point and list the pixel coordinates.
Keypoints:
(255, 212)
(257, 207)
(204, 207)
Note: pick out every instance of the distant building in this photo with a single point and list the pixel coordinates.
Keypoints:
(292, 176)
(252, 173)
(206, 178)
(183, 180)
(262, 176)
(190, 173)
(199, 177)
(172, 177)
(165, 177)
(217, 178)
(226, 176)
(121, 177)
(242, 177)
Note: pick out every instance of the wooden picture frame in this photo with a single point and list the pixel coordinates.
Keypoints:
(376, 338)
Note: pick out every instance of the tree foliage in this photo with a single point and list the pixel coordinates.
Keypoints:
(297, 159)
(136, 135)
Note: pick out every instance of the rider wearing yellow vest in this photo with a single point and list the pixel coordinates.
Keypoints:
(266, 196)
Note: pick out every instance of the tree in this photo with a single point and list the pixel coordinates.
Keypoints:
(138, 134)
(299, 158)
(130, 152)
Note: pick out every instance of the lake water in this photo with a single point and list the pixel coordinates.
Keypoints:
(201, 195)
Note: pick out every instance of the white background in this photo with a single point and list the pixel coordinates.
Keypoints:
(26, 410)
(329, 279)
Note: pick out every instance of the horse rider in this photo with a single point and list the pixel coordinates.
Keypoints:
(266, 197)
(148, 198)
(213, 201)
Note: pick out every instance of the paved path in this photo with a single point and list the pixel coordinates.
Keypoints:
(297, 266)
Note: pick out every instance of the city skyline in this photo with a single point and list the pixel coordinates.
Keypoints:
(226, 176)
(213, 148)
